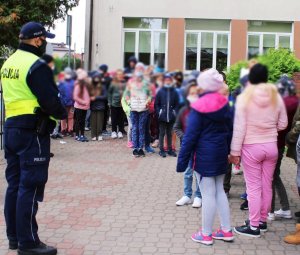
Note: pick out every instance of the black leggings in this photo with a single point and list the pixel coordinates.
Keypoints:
(79, 121)
(165, 129)
(117, 119)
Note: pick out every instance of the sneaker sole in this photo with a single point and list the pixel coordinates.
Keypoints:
(183, 204)
(244, 234)
(196, 206)
(30, 253)
(283, 217)
(203, 242)
(225, 239)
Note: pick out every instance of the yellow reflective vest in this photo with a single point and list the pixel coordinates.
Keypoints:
(18, 98)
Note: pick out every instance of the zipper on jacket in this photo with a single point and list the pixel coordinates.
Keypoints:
(168, 105)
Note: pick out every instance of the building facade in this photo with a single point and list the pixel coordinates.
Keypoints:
(188, 34)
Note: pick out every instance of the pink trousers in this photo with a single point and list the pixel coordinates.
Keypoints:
(259, 161)
(67, 124)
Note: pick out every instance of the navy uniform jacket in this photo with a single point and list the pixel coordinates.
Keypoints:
(42, 85)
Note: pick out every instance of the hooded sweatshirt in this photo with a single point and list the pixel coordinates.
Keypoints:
(207, 137)
(260, 113)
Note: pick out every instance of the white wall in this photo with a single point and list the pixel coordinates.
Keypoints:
(107, 28)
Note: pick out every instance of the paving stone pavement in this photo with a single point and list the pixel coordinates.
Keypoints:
(99, 200)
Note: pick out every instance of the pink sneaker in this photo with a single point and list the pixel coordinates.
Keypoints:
(200, 238)
(222, 235)
(130, 145)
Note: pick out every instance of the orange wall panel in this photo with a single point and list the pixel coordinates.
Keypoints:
(239, 29)
(176, 44)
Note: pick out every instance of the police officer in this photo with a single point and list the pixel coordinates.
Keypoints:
(32, 104)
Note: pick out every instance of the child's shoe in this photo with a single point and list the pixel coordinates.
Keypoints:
(100, 138)
(244, 206)
(197, 202)
(200, 238)
(135, 153)
(222, 235)
(94, 139)
(293, 238)
(162, 154)
(120, 135)
(271, 216)
(85, 139)
(172, 153)
(141, 153)
(244, 196)
(149, 149)
(283, 214)
(129, 144)
(114, 135)
(247, 230)
(184, 201)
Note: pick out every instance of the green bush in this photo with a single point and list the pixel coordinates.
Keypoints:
(280, 61)
(233, 76)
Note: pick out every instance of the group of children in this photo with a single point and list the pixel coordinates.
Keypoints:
(217, 128)
(215, 132)
(148, 102)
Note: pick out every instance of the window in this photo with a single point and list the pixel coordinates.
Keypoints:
(207, 44)
(146, 39)
(265, 35)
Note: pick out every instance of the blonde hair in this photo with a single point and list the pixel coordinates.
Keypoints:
(249, 91)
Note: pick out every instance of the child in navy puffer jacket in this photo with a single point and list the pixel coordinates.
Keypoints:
(166, 107)
(207, 139)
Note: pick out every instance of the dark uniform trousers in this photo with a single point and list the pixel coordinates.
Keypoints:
(27, 156)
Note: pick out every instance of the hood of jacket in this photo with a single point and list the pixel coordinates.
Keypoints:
(213, 105)
(262, 94)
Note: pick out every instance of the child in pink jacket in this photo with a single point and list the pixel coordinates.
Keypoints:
(260, 114)
(82, 104)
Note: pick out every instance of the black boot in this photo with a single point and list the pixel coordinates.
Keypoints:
(13, 245)
(41, 249)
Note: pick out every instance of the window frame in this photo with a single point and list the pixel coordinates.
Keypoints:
(215, 42)
(277, 35)
(137, 37)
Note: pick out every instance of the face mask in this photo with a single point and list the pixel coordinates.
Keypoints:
(168, 85)
(68, 77)
(53, 68)
(192, 99)
(42, 48)
(139, 74)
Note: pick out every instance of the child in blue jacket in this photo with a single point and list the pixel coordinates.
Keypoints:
(166, 107)
(207, 139)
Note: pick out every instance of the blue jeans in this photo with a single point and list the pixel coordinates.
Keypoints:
(138, 120)
(188, 184)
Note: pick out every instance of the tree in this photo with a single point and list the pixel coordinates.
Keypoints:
(15, 13)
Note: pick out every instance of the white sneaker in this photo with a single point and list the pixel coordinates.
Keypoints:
(271, 216)
(184, 201)
(120, 135)
(197, 202)
(100, 138)
(114, 135)
(94, 139)
(283, 214)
